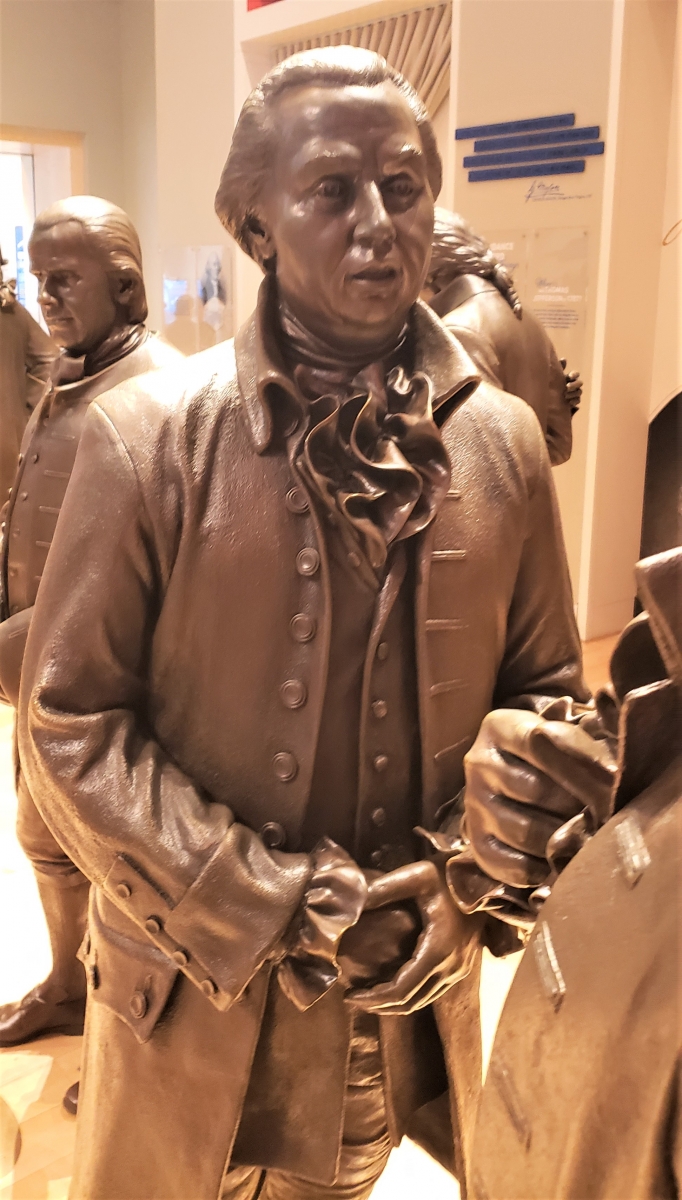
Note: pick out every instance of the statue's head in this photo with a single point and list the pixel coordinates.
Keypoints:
(458, 250)
(86, 257)
(330, 184)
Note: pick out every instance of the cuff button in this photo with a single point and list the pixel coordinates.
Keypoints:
(180, 958)
(138, 1005)
(208, 987)
(153, 925)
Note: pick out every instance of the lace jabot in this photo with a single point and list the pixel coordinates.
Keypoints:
(372, 453)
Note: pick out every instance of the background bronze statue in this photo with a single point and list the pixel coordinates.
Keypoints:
(475, 296)
(582, 1093)
(26, 355)
(86, 256)
(332, 550)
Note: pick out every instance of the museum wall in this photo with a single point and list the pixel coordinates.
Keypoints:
(60, 69)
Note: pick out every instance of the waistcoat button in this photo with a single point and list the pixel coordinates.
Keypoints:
(307, 561)
(380, 762)
(382, 651)
(273, 835)
(354, 559)
(293, 693)
(302, 627)
(124, 890)
(24, 495)
(378, 817)
(296, 500)
(20, 459)
(379, 708)
(285, 766)
(376, 858)
(138, 1005)
(35, 458)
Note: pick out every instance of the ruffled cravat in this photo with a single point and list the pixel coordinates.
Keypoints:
(373, 455)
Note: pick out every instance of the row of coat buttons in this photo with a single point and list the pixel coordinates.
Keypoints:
(293, 691)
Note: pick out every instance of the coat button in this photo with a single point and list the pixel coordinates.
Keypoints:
(296, 500)
(208, 987)
(354, 558)
(380, 708)
(285, 766)
(380, 762)
(382, 651)
(153, 925)
(138, 1005)
(307, 561)
(24, 495)
(35, 458)
(302, 627)
(124, 890)
(180, 958)
(376, 858)
(378, 817)
(273, 835)
(294, 693)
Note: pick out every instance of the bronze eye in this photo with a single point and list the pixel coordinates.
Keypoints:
(333, 189)
(401, 188)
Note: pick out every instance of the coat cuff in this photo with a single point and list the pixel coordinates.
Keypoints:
(334, 900)
(229, 921)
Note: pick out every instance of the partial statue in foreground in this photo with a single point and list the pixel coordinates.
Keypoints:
(229, 719)
(582, 1093)
(474, 295)
(26, 356)
(86, 256)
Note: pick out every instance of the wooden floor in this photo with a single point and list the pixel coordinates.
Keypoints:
(36, 1135)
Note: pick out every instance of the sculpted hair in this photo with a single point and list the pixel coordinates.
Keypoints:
(457, 250)
(115, 236)
(253, 146)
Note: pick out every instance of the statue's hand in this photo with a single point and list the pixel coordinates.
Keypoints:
(375, 948)
(445, 948)
(525, 777)
(573, 389)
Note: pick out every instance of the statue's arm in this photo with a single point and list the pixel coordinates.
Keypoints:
(124, 811)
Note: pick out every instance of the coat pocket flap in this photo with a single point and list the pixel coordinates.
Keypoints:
(131, 978)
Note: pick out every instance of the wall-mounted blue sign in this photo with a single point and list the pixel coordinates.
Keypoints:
(536, 146)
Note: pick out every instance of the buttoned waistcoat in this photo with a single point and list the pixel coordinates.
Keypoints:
(158, 746)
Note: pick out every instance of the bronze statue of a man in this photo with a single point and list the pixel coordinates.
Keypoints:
(86, 256)
(582, 1093)
(475, 297)
(316, 559)
(26, 356)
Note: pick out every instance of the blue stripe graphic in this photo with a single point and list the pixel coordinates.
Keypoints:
(586, 133)
(574, 167)
(479, 131)
(519, 156)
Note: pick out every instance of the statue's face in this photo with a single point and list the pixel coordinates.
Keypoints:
(348, 210)
(76, 293)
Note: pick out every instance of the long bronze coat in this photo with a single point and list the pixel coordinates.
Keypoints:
(514, 353)
(582, 1096)
(152, 723)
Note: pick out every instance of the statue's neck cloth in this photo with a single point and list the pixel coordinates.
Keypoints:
(69, 368)
(371, 453)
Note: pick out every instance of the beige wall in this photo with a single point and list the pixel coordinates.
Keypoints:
(59, 69)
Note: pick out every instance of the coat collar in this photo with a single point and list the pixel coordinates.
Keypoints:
(260, 364)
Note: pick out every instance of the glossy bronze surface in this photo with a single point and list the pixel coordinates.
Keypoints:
(581, 1097)
(86, 256)
(331, 533)
(474, 295)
